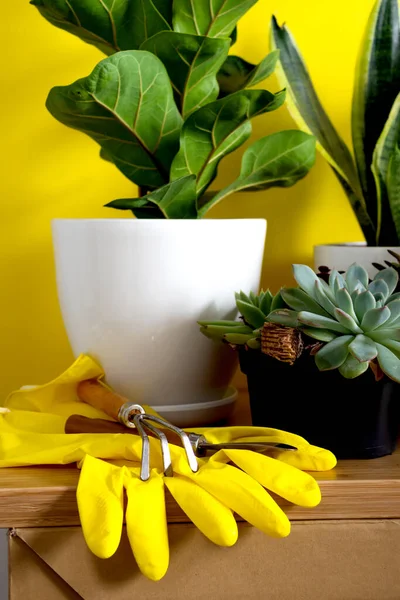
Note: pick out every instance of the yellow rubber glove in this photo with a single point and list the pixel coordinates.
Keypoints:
(208, 497)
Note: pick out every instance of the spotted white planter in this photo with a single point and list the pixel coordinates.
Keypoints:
(341, 256)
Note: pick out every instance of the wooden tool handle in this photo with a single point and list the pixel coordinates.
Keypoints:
(99, 396)
(80, 424)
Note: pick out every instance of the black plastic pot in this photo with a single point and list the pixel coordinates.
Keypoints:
(357, 418)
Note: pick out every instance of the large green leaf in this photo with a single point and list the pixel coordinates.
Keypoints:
(383, 152)
(110, 25)
(334, 353)
(127, 106)
(176, 200)
(389, 363)
(217, 129)
(306, 109)
(278, 160)
(352, 368)
(192, 63)
(214, 18)
(393, 187)
(237, 74)
(377, 84)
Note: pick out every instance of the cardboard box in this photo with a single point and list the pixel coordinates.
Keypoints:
(329, 560)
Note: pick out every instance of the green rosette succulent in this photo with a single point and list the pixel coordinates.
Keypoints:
(254, 310)
(357, 321)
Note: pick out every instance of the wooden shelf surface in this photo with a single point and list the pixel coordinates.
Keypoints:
(355, 489)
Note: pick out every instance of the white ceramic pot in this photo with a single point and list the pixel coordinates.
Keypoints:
(131, 292)
(341, 256)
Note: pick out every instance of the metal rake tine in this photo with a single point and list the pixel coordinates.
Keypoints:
(166, 455)
(190, 455)
(145, 461)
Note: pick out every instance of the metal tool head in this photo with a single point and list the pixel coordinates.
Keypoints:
(127, 413)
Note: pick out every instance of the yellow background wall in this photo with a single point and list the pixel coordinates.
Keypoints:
(50, 171)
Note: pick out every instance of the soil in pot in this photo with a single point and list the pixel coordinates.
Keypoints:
(356, 418)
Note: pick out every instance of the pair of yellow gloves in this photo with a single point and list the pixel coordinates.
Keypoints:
(32, 425)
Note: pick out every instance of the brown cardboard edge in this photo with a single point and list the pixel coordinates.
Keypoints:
(48, 571)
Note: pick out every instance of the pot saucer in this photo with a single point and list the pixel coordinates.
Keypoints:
(200, 413)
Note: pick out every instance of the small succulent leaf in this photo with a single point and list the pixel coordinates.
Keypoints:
(207, 334)
(110, 26)
(383, 335)
(379, 286)
(335, 276)
(254, 344)
(322, 335)
(334, 353)
(352, 368)
(393, 187)
(277, 160)
(306, 279)
(355, 274)
(363, 348)
(192, 63)
(347, 321)
(220, 330)
(393, 345)
(374, 318)
(139, 131)
(364, 302)
(298, 300)
(323, 300)
(283, 316)
(254, 299)
(220, 323)
(379, 304)
(244, 297)
(312, 320)
(394, 308)
(354, 295)
(390, 277)
(237, 338)
(252, 314)
(345, 303)
(266, 302)
(213, 18)
(214, 131)
(278, 302)
(389, 363)
(237, 74)
(393, 297)
(379, 300)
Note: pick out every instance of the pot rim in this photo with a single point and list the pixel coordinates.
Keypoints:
(132, 220)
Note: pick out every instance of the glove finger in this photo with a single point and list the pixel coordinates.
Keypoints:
(282, 479)
(100, 496)
(310, 458)
(209, 515)
(146, 524)
(249, 433)
(244, 495)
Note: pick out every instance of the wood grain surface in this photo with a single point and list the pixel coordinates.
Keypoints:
(355, 489)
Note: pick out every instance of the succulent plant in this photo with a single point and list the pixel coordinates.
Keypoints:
(357, 321)
(254, 310)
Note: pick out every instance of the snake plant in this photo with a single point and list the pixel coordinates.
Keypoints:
(371, 179)
(168, 103)
(357, 321)
(254, 310)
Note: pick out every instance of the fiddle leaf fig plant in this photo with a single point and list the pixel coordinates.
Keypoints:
(370, 178)
(168, 103)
